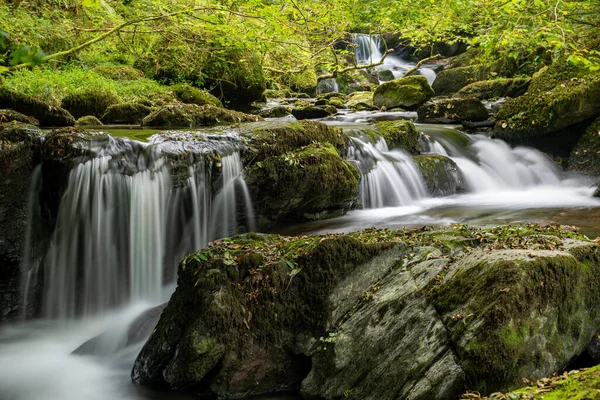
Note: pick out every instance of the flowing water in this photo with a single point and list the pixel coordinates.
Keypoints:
(130, 205)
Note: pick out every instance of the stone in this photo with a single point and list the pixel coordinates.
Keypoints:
(408, 93)
(88, 120)
(90, 101)
(495, 88)
(452, 111)
(126, 113)
(192, 115)
(450, 81)
(47, 115)
(441, 175)
(310, 112)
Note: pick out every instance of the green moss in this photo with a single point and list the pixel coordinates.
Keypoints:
(450, 81)
(192, 115)
(191, 95)
(266, 140)
(88, 120)
(585, 157)
(408, 93)
(360, 101)
(580, 385)
(118, 72)
(126, 113)
(45, 114)
(400, 134)
(92, 101)
(560, 96)
(303, 82)
(503, 87)
(278, 93)
(309, 180)
(11, 115)
(454, 110)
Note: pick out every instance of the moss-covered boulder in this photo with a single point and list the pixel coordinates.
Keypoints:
(310, 112)
(495, 88)
(92, 101)
(192, 115)
(191, 95)
(126, 113)
(450, 81)
(88, 120)
(19, 153)
(585, 157)
(452, 111)
(45, 114)
(276, 112)
(7, 115)
(360, 101)
(356, 81)
(441, 175)
(303, 82)
(330, 95)
(385, 75)
(278, 93)
(118, 72)
(337, 102)
(401, 134)
(428, 312)
(408, 93)
(561, 96)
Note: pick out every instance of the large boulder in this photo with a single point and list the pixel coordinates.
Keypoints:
(19, 153)
(356, 81)
(450, 81)
(310, 112)
(408, 93)
(45, 114)
(360, 101)
(126, 113)
(442, 176)
(585, 157)
(192, 115)
(191, 95)
(426, 312)
(559, 97)
(401, 134)
(91, 101)
(295, 171)
(11, 115)
(495, 88)
(452, 111)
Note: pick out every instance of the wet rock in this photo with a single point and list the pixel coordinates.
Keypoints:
(278, 93)
(93, 101)
(452, 111)
(192, 115)
(19, 153)
(408, 93)
(356, 81)
(559, 98)
(503, 87)
(45, 114)
(401, 134)
(330, 95)
(441, 175)
(585, 157)
(276, 112)
(427, 312)
(88, 120)
(11, 115)
(310, 112)
(450, 81)
(360, 101)
(385, 75)
(191, 95)
(126, 113)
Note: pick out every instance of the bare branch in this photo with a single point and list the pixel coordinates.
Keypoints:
(338, 71)
(423, 61)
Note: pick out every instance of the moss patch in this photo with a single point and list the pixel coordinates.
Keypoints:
(453, 110)
(408, 93)
(119, 72)
(191, 95)
(192, 115)
(88, 120)
(503, 87)
(450, 81)
(93, 101)
(45, 114)
(126, 113)
(400, 134)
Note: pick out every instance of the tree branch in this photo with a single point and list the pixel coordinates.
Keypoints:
(338, 70)
(423, 61)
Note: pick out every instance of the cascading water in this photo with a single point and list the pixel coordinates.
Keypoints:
(388, 178)
(369, 49)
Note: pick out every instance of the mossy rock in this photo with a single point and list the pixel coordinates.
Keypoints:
(310, 112)
(275, 139)
(453, 111)
(303, 82)
(191, 95)
(302, 183)
(330, 95)
(192, 115)
(441, 175)
(400, 134)
(356, 81)
(276, 112)
(321, 102)
(89, 120)
(450, 81)
(45, 114)
(495, 88)
(300, 96)
(11, 115)
(337, 102)
(360, 101)
(408, 93)
(118, 72)
(561, 96)
(92, 101)
(385, 75)
(278, 93)
(478, 308)
(144, 101)
(126, 113)
(585, 157)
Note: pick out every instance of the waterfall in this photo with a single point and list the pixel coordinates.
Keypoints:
(388, 178)
(118, 236)
(368, 48)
